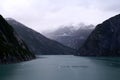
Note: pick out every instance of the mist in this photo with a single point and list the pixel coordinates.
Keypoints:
(42, 15)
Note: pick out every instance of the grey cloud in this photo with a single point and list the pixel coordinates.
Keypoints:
(49, 14)
(108, 5)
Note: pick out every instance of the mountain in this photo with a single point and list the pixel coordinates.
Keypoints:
(104, 40)
(37, 43)
(12, 47)
(71, 36)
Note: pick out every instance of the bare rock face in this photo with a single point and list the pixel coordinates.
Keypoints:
(71, 36)
(38, 43)
(12, 48)
(104, 40)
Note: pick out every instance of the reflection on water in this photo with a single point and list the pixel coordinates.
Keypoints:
(110, 62)
(63, 67)
(74, 66)
(6, 71)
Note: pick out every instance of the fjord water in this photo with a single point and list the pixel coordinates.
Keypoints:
(63, 67)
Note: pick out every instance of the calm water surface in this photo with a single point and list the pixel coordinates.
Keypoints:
(63, 67)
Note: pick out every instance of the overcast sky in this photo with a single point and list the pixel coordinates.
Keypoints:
(49, 14)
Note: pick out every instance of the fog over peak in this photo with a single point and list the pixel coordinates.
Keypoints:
(43, 15)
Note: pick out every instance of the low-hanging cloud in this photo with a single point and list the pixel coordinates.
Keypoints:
(49, 14)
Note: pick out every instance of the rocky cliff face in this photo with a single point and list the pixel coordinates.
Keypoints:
(104, 40)
(12, 48)
(38, 43)
(70, 36)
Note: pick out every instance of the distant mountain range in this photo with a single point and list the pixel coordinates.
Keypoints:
(104, 40)
(71, 36)
(38, 43)
(12, 47)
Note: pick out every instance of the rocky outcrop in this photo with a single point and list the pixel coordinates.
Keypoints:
(12, 48)
(71, 36)
(104, 40)
(38, 43)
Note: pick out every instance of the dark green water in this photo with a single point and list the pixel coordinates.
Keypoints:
(63, 67)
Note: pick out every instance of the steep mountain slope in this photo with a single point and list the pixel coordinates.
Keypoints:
(70, 36)
(12, 48)
(104, 40)
(37, 42)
